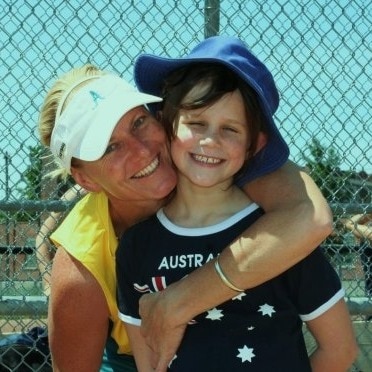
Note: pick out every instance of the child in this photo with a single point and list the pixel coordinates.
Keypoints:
(218, 119)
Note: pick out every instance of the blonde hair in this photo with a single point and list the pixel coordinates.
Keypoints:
(53, 98)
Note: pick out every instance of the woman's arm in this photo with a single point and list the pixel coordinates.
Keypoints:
(336, 344)
(141, 352)
(297, 219)
(78, 317)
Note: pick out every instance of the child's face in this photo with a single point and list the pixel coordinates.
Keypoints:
(210, 144)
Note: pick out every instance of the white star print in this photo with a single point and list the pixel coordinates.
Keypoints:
(170, 363)
(246, 354)
(267, 310)
(250, 328)
(239, 296)
(214, 314)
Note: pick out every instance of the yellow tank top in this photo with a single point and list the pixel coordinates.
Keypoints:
(87, 234)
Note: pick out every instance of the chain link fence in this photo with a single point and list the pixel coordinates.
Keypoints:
(318, 51)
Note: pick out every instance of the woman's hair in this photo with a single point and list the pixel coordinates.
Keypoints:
(215, 80)
(49, 107)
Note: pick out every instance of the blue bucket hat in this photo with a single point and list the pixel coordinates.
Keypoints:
(150, 72)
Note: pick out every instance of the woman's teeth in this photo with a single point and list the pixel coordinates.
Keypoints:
(148, 170)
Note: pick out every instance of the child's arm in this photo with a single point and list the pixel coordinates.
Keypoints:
(141, 352)
(333, 332)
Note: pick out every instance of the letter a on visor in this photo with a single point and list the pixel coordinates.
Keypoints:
(85, 125)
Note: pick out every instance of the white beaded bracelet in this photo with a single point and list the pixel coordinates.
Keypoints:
(223, 276)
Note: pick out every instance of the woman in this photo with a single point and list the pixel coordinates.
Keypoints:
(100, 132)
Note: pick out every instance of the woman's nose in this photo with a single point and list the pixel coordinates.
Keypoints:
(138, 147)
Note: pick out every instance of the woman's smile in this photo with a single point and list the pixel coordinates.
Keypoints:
(149, 169)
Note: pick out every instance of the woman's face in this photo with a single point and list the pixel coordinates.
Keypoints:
(136, 165)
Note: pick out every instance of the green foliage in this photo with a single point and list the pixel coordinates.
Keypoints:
(324, 166)
(31, 189)
(31, 178)
(32, 175)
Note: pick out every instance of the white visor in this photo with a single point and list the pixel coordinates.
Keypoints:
(84, 128)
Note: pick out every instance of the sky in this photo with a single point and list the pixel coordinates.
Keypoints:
(318, 51)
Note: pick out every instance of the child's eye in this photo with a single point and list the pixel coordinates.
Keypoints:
(231, 129)
(195, 124)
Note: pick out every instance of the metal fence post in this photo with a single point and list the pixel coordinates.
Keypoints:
(211, 18)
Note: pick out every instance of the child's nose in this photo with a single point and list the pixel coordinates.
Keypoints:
(206, 141)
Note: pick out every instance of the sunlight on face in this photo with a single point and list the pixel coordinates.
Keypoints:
(184, 132)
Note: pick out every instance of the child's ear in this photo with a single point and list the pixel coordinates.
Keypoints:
(84, 181)
(261, 142)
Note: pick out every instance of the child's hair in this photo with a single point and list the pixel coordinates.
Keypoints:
(49, 108)
(217, 80)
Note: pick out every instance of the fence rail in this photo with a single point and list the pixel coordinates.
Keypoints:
(61, 206)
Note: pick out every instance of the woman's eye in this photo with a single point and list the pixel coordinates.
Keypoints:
(110, 148)
(138, 122)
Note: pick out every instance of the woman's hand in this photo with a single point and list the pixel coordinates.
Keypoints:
(162, 334)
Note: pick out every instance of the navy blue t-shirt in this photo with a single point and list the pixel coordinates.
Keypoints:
(259, 329)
